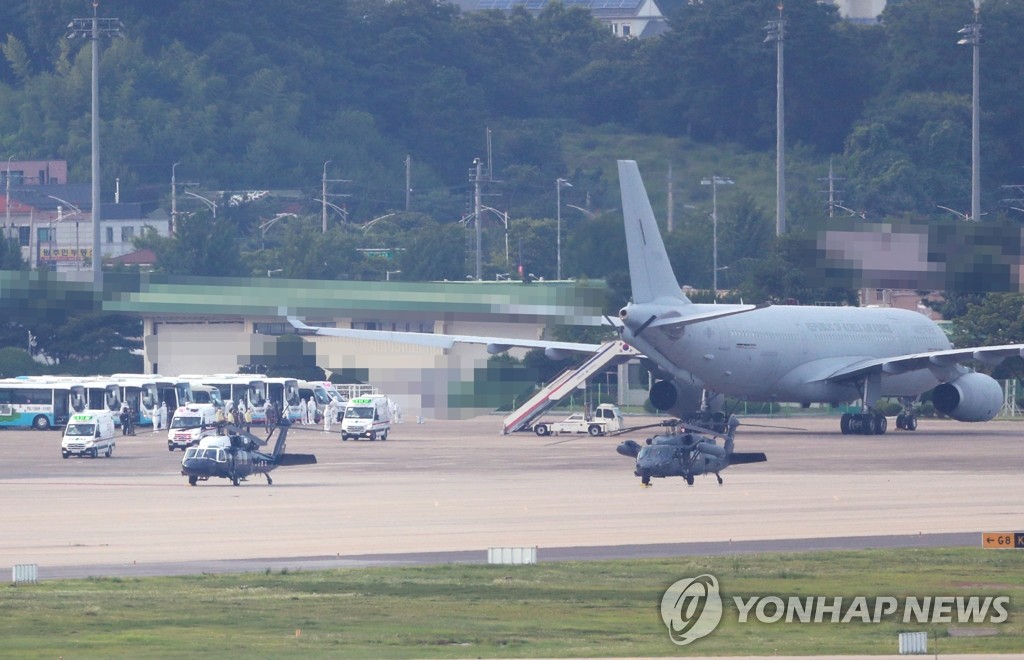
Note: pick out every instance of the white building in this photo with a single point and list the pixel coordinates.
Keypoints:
(625, 18)
(53, 224)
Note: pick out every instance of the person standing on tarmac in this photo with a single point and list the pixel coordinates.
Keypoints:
(302, 410)
(311, 411)
(219, 420)
(329, 415)
(124, 419)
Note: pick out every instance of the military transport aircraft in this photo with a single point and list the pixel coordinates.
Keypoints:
(687, 454)
(235, 456)
(767, 352)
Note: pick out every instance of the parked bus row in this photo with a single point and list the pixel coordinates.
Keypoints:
(44, 402)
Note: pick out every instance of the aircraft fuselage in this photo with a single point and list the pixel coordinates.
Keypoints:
(786, 353)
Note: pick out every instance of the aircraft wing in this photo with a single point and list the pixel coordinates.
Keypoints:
(494, 344)
(902, 363)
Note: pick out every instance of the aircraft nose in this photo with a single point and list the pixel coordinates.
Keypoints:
(197, 466)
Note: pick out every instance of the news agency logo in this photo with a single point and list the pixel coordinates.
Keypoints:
(691, 608)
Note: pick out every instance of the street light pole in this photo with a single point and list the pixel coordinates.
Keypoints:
(174, 201)
(75, 211)
(714, 182)
(777, 33)
(209, 203)
(971, 36)
(7, 200)
(559, 184)
(323, 198)
(93, 29)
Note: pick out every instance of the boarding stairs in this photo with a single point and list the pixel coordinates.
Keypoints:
(609, 354)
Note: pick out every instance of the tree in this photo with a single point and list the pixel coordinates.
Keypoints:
(997, 319)
(92, 335)
(16, 362)
(434, 252)
(201, 246)
(10, 253)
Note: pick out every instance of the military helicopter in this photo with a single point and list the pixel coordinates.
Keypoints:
(687, 454)
(235, 455)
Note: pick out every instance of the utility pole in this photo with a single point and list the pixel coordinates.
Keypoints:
(408, 182)
(174, 201)
(832, 201)
(777, 32)
(714, 182)
(559, 184)
(92, 29)
(669, 203)
(323, 199)
(7, 201)
(477, 176)
(971, 36)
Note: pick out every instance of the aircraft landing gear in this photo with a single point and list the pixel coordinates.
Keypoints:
(270, 482)
(719, 477)
(906, 421)
(645, 479)
(863, 424)
(689, 480)
(192, 479)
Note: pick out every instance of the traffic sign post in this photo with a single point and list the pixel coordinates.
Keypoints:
(1003, 540)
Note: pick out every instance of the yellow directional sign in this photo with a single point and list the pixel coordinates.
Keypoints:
(1002, 540)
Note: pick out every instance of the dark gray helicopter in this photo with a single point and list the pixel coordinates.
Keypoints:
(687, 454)
(235, 455)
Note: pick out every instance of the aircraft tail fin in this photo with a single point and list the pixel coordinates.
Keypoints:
(744, 458)
(649, 269)
(296, 459)
(282, 434)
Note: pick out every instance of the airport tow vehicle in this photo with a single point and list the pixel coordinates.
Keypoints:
(607, 418)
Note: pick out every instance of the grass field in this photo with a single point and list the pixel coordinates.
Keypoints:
(551, 609)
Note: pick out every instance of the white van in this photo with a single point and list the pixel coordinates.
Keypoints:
(190, 424)
(367, 417)
(89, 433)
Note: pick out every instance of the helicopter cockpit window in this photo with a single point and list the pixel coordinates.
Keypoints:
(191, 453)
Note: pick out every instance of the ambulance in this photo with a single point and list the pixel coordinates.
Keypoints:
(89, 433)
(367, 417)
(190, 424)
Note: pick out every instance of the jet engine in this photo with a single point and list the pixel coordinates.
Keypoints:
(675, 399)
(972, 397)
